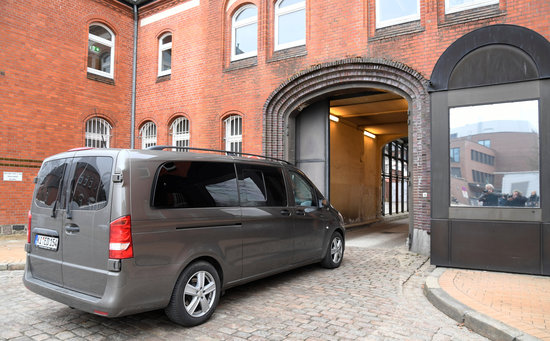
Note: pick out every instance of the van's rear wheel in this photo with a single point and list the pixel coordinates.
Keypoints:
(335, 251)
(195, 296)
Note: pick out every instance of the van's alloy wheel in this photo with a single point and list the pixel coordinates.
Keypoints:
(335, 252)
(199, 294)
(195, 296)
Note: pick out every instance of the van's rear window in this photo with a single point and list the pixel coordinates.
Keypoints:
(90, 183)
(50, 182)
(186, 184)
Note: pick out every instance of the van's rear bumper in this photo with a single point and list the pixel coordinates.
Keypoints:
(115, 302)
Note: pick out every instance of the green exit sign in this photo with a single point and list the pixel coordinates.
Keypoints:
(95, 49)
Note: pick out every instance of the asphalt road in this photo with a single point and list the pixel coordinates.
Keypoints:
(375, 295)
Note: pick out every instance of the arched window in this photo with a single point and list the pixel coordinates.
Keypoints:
(233, 127)
(165, 54)
(180, 132)
(290, 23)
(98, 133)
(148, 134)
(101, 50)
(244, 33)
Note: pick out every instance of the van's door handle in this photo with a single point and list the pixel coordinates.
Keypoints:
(300, 212)
(286, 213)
(72, 228)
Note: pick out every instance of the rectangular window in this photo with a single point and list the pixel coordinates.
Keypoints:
(261, 186)
(452, 6)
(455, 154)
(511, 129)
(486, 143)
(456, 172)
(393, 12)
(186, 184)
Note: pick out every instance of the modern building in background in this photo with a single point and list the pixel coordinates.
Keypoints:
(359, 94)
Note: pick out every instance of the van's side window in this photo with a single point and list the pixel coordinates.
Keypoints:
(185, 184)
(50, 181)
(91, 183)
(261, 186)
(304, 194)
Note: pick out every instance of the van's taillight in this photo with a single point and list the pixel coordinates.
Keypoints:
(120, 238)
(29, 228)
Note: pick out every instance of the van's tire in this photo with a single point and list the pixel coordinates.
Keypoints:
(335, 251)
(195, 296)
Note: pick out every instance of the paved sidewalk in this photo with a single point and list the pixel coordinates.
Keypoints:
(12, 251)
(500, 306)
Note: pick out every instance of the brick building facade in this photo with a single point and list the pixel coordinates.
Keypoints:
(348, 47)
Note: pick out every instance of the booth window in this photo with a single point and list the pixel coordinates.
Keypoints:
(503, 172)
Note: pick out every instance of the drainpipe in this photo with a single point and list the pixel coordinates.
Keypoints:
(134, 62)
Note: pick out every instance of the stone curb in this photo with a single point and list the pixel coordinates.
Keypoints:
(12, 266)
(479, 323)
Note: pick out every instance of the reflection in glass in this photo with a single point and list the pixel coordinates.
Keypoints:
(494, 155)
(292, 27)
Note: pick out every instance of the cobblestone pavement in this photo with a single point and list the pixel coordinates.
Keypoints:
(375, 295)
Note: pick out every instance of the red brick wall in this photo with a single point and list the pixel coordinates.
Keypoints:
(46, 96)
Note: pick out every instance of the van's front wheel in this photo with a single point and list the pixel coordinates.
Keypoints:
(195, 295)
(335, 251)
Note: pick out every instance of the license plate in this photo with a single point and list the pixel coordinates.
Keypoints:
(46, 242)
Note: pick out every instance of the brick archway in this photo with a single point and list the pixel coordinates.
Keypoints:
(317, 82)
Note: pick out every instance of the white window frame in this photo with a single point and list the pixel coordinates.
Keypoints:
(401, 20)
(474, 4)
(287, 10)
(162, 48)
(148, 135)
(233, 132)
(235, 25)
(98, 131)
(109, 43)
(180, 137)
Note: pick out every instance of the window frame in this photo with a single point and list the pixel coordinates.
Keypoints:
(164, 47)
(396, 21)
(148, 140)
(476, 3)
(97, 123)
(235, 25)
(278, 12)
(184, 135)
(229, 137)
(109, 43)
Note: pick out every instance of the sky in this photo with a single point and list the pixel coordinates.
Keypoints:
(512, 111)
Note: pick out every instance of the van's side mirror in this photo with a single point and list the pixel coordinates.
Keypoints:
(323, 203)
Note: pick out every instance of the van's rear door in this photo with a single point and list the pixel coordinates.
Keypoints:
(85, 230)
(45, 258)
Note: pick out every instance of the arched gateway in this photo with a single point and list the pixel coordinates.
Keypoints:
(325, 80)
